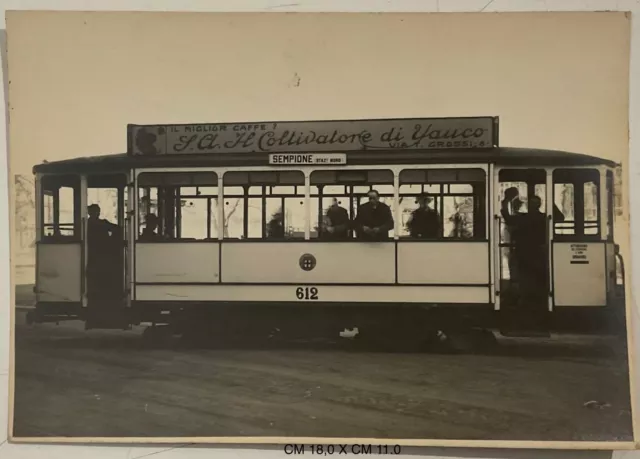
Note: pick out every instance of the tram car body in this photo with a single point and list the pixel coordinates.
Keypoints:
(215, 262)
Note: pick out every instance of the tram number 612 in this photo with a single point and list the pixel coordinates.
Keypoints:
(307, 293)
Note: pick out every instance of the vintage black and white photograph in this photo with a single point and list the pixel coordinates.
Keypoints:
(357, 226)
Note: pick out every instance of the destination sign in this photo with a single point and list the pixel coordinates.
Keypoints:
(310, 159)
(313, 136)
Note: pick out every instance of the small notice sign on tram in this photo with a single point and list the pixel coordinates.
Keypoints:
(314, 136)
(307, 159)
(579, 254)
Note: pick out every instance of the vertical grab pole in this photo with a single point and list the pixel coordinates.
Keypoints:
(549, 200)
(132, 221)
(489, 231)
(307, 205)
(495, 227)
(603, 205)
(396, 205)
(83, 238)
(220, 208)
(39, 229)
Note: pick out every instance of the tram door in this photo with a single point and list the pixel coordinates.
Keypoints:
(59, 251)
(523, 260)
(105, 251)
(580, 274)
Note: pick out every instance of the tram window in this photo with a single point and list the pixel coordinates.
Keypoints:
(264, 205)
(576, 194)
(348, 189)
(458, 216)
(185, 204)
(457, 196)
(234, 208)
(60, 201)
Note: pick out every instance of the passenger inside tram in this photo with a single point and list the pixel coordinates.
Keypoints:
(275, 228)
(374, 219)
(337, 222)
(424, 222)
(150, 231)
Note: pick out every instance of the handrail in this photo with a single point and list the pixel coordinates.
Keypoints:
(621, 260)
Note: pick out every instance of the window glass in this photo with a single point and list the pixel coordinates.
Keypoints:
(335, 208)
(181, 205)
(60, 201)
(272, 209)
(577, 198)
(453, 208)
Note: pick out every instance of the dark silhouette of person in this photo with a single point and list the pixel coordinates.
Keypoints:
(275, 227)
(337, 221)
(150, 231)
(530, 240)
(374, 219)
(510, 211)
(424, 222)
(98, 229)
(102, 256)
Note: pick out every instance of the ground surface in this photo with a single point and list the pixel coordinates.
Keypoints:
(105, 383)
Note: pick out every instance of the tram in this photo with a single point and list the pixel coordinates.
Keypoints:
(207, 194)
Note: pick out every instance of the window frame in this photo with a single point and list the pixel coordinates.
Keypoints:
(76, 223)
(139, 188)
(578, 197)
(265, 192)
(480, 200)
(221, 184)
(352, 195)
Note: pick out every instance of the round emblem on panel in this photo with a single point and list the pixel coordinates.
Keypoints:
(307, 262)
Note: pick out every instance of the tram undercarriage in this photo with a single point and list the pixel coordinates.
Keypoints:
(461, 328)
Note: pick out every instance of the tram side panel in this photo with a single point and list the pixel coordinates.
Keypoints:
(309, 262)
(158, 264)
(59, 273)
(314, 272)
(580, 276)
(463, 264)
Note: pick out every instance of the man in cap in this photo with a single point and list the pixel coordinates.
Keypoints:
(424, 222)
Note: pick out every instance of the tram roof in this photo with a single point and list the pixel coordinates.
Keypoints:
(504, 156)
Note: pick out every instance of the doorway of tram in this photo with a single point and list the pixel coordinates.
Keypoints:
(105, 249)
(523, 260)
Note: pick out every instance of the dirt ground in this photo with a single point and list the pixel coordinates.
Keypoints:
(70, 382)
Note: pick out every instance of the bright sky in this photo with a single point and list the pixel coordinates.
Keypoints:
(559, 81)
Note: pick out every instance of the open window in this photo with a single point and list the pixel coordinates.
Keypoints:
(576, 192)
(60, 208)
(264, 205)
(454, 200)
(177, 206)
(338, 194)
